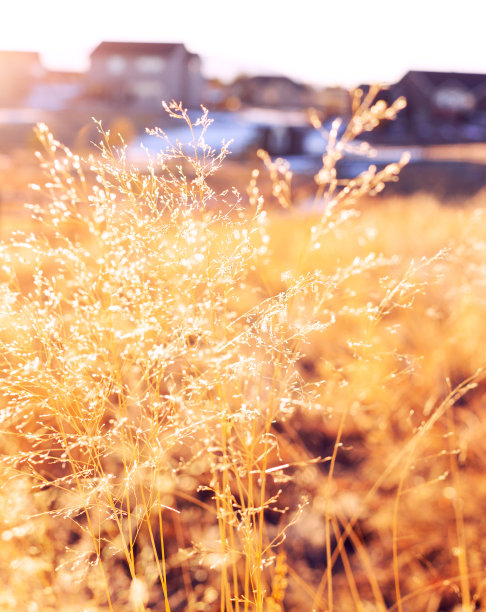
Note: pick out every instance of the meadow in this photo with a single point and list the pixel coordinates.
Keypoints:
(214, 400)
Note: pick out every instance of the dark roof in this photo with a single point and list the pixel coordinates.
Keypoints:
(435, 79)
(262, 80)
(136, 48)
(424, 83)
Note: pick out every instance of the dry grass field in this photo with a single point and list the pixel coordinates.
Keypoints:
(207, 405)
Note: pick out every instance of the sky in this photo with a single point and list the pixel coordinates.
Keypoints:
(321, 42)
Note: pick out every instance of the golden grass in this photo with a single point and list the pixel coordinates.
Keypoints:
(206, 406)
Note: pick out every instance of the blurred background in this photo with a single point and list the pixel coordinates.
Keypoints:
(259, 68)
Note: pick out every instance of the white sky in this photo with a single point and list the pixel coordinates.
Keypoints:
(318, 41)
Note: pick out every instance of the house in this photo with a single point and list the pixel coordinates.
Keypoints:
(57, 90)
(271, 92)
(333, 102)
(280, 132)
(19, 72)
(442, 107)
(137, 75)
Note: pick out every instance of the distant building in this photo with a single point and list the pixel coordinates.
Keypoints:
(442, 107)
(141, 75)
(333, 102)
(280, 132)
(56, 91)
(271, 92)
(19, 72)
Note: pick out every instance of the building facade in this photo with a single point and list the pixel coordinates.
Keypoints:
(20, 71)
(141, 75)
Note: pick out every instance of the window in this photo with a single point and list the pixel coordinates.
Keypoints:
(116, 64)
(150, 64)
(455, 99)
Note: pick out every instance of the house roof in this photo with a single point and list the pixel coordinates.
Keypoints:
(135, 48)
(264, 79)
(470, 80)
(426, 82)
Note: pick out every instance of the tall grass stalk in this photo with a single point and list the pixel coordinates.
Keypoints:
(153, 387)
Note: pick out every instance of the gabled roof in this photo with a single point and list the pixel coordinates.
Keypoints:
(270, 79)
(426, 82)
(135, 48)
(436, 79)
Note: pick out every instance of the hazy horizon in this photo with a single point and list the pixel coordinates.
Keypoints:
(344, 44)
